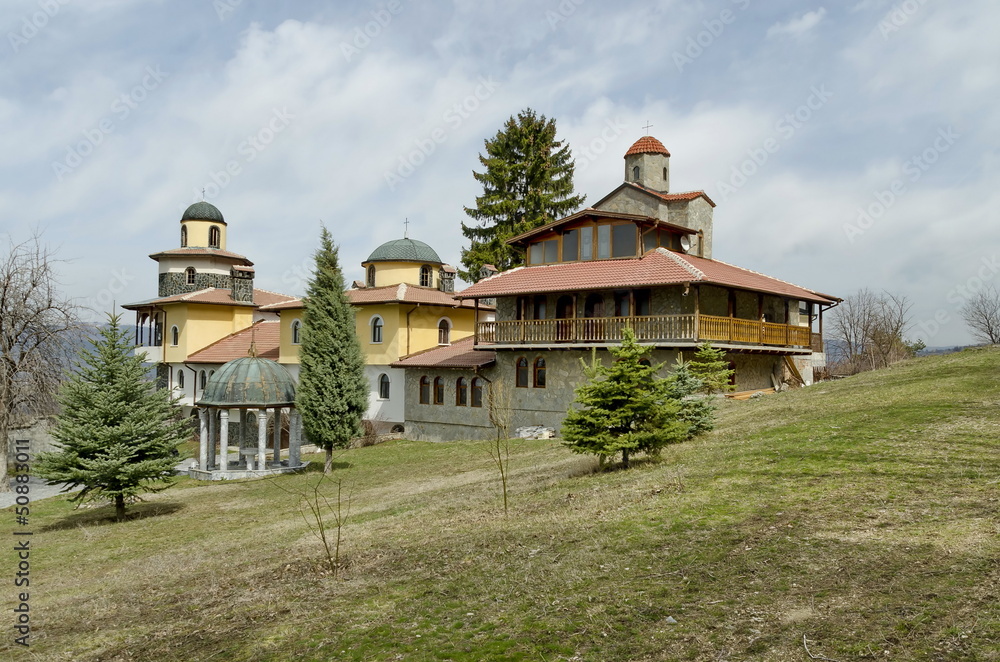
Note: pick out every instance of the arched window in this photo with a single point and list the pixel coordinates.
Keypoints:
(210, 373)
(175, 336)
(477, 392)
(214, 237)
(189, 275)
(297, 332)
(521, 373)
(184, 236)
(425, 276)
(376, 329)
(180, 379)
(539, 381)
(383, 387)
(203, 380)
(371, 275)
(461, 392)
(664, 174)
(425, 390)
(438, 391)
(444, 332)
(635, 173)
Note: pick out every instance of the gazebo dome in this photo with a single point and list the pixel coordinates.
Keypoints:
(404, 250)
(249, 382)
(203, 211)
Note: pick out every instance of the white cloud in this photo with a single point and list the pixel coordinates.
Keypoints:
(798, 27)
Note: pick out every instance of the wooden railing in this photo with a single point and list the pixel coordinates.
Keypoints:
(691, 328)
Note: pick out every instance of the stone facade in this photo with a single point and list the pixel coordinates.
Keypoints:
(175, 282)
(447, 421)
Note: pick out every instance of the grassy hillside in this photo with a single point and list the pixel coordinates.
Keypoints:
(861, 515)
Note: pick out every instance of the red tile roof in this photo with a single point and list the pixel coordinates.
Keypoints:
(458, 355)
(647, 145)
(291, 304)
(404, 293)
(215, 296)
(266, 336)
(656, 268)
(198, 251)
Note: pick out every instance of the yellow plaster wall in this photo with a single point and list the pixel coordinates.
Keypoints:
(288, 352)
(198, 233)
(393, 344)
(424, 325)
(201, 325)
(394, 273)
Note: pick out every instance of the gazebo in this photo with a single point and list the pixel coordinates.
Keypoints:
(255, 388)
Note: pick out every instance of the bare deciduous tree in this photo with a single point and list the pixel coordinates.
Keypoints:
(500, 404)
(870, 331)
(982, 315)
(36, 322)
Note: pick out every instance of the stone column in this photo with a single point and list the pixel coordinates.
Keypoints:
(203, 446)
(213, 436)
(277, 435)
(262, 439)
(224, 440)
(243, 437)
(294, 438)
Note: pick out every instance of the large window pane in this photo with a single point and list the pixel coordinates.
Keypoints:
(587, 244)
(551, 251)
(569, 245)
(535, 253)
(649, 241)
(603, 242)
(623, 241)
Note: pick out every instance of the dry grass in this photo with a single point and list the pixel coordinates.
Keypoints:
(862, 514)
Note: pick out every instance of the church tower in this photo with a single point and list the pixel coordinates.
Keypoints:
(647, 163)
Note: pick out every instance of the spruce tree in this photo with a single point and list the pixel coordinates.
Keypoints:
(527, 182)
(332, 394)
(117, 433)
(711, 367)
(696, 411)
(625, 407)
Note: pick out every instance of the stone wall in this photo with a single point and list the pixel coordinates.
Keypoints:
(39, 434)
(444, 422)
(175, 282)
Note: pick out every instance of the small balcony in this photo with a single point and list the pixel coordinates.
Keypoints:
(680, 330)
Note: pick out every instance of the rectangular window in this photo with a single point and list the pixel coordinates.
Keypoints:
(425, 391)
(623, 240)
(535, 253)
(551, 251)
(570, 243)
(603, 242)
(669, 240)
(642, 303)
(539, 308)
(649, 241)
(587, 244)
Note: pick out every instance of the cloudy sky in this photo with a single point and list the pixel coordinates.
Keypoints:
(846, 145)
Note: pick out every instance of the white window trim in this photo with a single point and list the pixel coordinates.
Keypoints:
(371, 328)
(451, 330)
(294, 322)
(177, 329)
(378, 388)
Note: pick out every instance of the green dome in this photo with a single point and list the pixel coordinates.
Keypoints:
(203, 211)
(404, 250)
(250, 382)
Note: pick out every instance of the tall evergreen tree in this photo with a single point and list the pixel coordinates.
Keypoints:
(527, 182)
(711, 367)
(332, 395)
(117, 432)
(626, 407)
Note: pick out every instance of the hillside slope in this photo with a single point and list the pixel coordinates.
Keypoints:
(861, 515)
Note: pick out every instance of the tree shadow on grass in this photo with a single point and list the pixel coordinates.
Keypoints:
(105, 515)
(317, 467)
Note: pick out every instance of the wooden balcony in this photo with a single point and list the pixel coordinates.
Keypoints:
(653, 328)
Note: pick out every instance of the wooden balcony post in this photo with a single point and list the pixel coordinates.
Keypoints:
(475, 316)
(697, 313)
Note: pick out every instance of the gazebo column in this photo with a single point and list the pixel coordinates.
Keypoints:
(213, 436)
(243, 437)
(203, 446)
(294, 438)
(277, 435)
(262, 439)
(224, 440)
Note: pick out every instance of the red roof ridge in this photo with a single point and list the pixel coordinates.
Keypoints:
(687, 266)
(231, 336)
(289, 297)
(758, 273)
(683, 195)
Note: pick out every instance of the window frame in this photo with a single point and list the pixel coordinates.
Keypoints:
(189, 275)
(376, 327)
(461, 392)
(521, 372)
(425, 390)
(180, 379)
(538, 370)
(175, 336)
(296, 331)
(476, 392)
(438, 390)
(426, 276)
(215, 237)
(384, 384)
(184, 236)
(370, 276)
(444, 327)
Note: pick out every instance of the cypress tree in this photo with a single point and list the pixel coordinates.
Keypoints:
(332, 394)
(625, 407)
(527, 182)
(117, 433)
